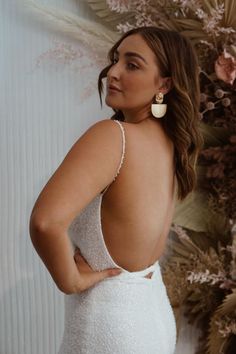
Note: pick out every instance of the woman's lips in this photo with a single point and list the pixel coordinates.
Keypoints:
(112, 87)
(113, 90)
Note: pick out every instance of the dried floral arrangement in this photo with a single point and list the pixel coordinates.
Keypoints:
(200, 269)
(211, 25)
(200, 274)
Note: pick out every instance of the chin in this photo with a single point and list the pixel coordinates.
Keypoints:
(109, 103)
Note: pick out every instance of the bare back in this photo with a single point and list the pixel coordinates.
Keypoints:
(137, 208)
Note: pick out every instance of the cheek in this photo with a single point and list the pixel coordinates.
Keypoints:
(140, 90)
(133, 83)
(143, 83)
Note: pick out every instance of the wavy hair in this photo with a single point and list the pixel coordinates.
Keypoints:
(177, 59)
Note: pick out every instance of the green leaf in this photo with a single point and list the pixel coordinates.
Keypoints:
(214, 136)
(192, 213)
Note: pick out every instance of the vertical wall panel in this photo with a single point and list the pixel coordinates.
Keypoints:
(41, 116)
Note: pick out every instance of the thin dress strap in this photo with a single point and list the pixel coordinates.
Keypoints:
(123, 153)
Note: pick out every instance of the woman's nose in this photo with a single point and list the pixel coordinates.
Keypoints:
(114, 71)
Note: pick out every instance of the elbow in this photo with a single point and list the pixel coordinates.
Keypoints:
(68, 290)
(36, 227)
(40, 224)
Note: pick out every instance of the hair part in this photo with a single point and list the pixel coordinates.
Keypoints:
(177, 59)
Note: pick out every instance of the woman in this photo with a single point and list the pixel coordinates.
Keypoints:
(114, 196)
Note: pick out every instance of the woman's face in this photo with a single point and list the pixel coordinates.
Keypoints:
(135, 73)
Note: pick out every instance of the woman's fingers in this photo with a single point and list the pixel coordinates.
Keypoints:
(82, 263)
(88, 276)
(78, 256)
(106, 273)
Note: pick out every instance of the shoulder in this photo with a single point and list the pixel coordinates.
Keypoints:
(105, 131)
(102, 139)
(107, 125)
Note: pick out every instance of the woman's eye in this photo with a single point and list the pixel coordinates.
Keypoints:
(132, 66)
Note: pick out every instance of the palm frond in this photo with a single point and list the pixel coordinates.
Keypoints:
(195, 36)
(86, 31)
(192, 212)
(228, 305)
(213, 136)
(210, 5)
(189, 24)
(215, 342)
(230, 13)
(109, 17)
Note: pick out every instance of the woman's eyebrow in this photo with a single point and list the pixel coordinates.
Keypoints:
(131, 54)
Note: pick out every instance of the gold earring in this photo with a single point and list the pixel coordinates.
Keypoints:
(159, 109)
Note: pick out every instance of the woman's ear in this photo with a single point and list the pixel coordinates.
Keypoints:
(166, 85)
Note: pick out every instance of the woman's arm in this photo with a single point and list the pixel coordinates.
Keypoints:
(55, 249)
(87, 169)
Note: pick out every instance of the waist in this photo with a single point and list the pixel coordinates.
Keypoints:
(139, 276)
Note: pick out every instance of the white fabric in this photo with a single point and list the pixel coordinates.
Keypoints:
(125, 314)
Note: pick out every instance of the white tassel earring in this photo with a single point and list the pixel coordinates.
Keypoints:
(159, 109)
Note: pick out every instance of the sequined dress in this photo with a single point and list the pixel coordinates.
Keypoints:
(125, 314)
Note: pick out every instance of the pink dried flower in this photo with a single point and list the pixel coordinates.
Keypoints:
(225, 67)
(124, 27)
(219, 93)
(208, 44)
(211, 22)
(206, 277)
(119, 6)
(200, 14)
(200, 115)
(227, 30)
(180, 232)
(63, 53)
(203, 97)
(210, 105)
(188, 4)
(141, 5)
(226, 102)
(226, 326)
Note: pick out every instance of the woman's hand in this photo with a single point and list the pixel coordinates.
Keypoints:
(89, 277)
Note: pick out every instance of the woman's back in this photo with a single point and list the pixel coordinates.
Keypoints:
(137, 208)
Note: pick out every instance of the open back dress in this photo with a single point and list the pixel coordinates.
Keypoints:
(124, 314)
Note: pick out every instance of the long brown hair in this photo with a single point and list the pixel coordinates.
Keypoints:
(177, 59)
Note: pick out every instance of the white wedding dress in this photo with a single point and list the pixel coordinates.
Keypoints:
(125, 314)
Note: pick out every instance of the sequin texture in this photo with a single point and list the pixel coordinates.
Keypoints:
(125, 314)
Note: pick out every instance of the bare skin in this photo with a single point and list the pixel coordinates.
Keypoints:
(136, 242)
(138, 207)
